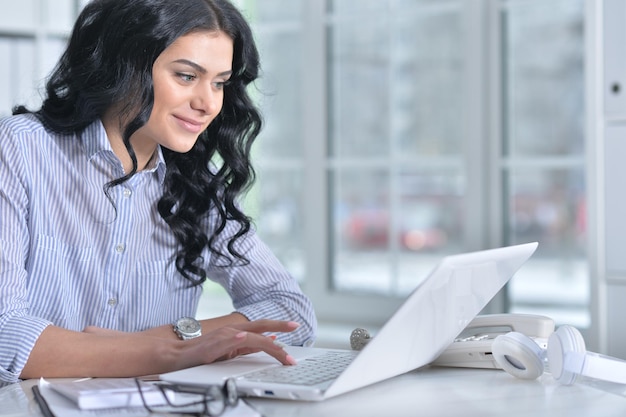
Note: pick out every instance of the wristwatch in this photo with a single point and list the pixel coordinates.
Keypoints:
(187, 328)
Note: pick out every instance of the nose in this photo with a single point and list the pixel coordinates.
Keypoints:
(207, 99)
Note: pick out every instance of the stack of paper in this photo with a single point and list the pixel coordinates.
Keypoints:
(99, 393)
(123, 390)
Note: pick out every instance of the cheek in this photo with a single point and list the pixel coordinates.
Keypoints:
(167, 94)
(157, 117)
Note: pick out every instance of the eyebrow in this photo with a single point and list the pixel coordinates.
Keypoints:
(200, 68)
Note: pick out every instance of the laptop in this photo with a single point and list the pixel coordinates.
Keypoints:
(426, 323)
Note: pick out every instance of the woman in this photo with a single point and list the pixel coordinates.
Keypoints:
(119, 197)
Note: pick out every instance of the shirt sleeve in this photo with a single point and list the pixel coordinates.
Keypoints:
(263, 289)
(18, 330)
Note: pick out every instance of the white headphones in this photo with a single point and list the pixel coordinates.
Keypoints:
(565, 356)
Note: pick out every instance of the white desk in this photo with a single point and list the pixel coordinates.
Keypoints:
(427, 392)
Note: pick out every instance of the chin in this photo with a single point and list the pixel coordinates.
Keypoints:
(182, 147)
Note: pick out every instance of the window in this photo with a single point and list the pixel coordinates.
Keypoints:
(542, 154)
(395, 145)
(397, 131)
(32, 37)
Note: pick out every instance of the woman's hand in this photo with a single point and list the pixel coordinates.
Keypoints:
(241, 339)
(224, 342)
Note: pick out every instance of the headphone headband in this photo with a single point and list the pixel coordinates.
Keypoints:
(604, 367)
(566, 356)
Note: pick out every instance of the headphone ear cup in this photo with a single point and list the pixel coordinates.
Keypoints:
(564, 341)
(518, 355)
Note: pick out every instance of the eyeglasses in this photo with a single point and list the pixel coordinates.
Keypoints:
(191, 399)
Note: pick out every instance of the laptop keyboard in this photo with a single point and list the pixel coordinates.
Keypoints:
(309, 371)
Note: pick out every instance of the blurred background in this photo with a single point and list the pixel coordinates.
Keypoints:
(396, 132)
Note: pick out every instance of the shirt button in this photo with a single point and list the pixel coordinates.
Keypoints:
(309, 343)
(127, 192)
(112, 302)
(120, 248)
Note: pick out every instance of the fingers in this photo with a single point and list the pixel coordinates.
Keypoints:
(267, 326)
(227, 343)
(251, 342)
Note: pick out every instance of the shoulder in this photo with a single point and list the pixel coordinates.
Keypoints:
(27, 131)
(21, 125)
(26, 135)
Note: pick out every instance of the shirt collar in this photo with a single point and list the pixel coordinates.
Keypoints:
(95, 142)
(159, 165)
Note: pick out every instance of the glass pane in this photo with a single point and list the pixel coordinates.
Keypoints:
(274, 204)
(361, 219)
(270, 10)
(60, 15)
(544, 101)
(277, 30)
(548, 206)
(19, 16)
(427, 84)
(276, 197)
(395, 106)
(392, 77)
(387, 243)
(430, 223)
(545, 81)
(275, 200)
(350, 6)
(53, 49)
(6, 101)
(25, 80)
(359, 88)
(279, 94)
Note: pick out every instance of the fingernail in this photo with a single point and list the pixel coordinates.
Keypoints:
(272, 336)
(291, 360)
(294, 324)
(241, 335)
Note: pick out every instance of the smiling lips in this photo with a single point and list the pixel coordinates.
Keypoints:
(189, 125)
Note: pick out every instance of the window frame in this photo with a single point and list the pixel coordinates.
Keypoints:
(342, 307)
(485, 208)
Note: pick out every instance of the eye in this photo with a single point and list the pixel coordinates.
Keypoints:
(221, 84)
(186, 77)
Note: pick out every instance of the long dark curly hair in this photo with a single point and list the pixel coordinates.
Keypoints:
(108, 62)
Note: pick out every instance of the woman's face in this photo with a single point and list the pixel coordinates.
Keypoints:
(189, 78)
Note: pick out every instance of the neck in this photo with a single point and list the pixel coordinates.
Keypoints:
(144, 154)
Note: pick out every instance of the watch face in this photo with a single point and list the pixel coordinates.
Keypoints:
(188, 325)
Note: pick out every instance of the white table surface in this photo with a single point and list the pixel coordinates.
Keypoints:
(427, 392)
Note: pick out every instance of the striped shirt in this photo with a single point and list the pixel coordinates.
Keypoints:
(71, 258)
